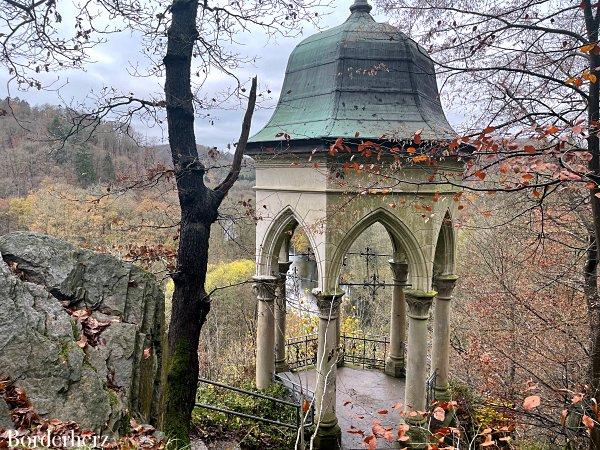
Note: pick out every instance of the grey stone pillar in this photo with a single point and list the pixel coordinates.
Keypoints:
(264, 287)
(280, 316)
(440, 358)
(395, 363)
(419, 304)
(338, 343)
(329, 433)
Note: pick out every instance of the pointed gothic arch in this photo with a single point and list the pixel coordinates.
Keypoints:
(280, 229)
(445, 249)
(404, 245)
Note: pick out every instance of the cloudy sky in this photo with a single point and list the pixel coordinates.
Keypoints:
(114, 59)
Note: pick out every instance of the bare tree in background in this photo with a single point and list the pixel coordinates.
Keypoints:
(184, 40)
(526, 70)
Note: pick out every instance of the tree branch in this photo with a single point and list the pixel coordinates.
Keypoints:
(238, 157)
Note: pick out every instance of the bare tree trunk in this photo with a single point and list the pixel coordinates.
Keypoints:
(199, 209)
(591, 268)
(190, 305)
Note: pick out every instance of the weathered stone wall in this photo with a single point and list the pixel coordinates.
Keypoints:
(80, 332)
(411, 206)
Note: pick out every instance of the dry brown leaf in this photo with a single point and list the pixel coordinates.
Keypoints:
(531, 402)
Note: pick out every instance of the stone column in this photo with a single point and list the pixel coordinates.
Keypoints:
(395, 363)
(264, 287)
(329, 433)
(280, 316)
(418, 303)
(440, 358)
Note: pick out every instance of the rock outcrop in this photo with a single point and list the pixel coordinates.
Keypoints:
(80, 332)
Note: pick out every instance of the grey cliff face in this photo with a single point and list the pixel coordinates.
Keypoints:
(45, 284)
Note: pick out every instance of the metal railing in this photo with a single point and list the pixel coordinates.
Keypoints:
(301, 395)
(430, 387)
(301, 351)
(365, 351)
(297, 407)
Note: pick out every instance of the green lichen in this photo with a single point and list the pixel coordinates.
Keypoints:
(176, 423)
(75, 330)
(420, 293)
(64, 351)
(113, 399)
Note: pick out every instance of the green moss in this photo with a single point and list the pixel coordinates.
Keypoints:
(75, 330)
(528, 444)
(176, 423)
(113, 399)
(64, 350)
(420, 293)
(254, 434)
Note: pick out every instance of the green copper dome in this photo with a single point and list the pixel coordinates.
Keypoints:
(361, 76)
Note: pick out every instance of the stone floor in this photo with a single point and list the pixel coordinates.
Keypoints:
(362, 395)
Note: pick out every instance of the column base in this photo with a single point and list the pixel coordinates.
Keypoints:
(281, 366)
(328, 438)
(395, 367)
(418, 433)
(442, 393)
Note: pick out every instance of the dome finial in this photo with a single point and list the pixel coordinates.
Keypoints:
(361, 6)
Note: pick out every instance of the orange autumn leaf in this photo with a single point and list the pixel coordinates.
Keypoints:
(527, 177)
(371, 442)
(587, 48)
(377, 428)
(588, 421)
(480, 174)
(531, 402)
(529, 149)
(417, 137)
(563, 417)
(402, 430)
(305, 406)
(589, 76)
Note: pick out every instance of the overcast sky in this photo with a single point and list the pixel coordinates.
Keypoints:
(121, 51)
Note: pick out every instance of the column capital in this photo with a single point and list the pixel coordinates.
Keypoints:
(399, 271)
(445, 284)
(264, 287)
(328, 303)
(419, 302)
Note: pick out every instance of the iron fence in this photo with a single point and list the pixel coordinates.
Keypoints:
(430, 386)
(301, 351)
(301, 395)
(364, 351)
(294, 412)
